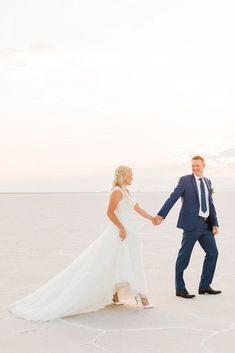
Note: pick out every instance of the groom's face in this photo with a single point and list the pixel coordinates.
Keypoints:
(197, 167)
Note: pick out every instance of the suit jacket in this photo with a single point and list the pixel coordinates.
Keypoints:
(188, 216)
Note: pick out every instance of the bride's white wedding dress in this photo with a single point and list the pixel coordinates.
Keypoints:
(89, 282)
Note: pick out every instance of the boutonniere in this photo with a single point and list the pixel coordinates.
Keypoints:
(212, 191)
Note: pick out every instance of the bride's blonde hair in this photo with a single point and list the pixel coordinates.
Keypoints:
(120, 175)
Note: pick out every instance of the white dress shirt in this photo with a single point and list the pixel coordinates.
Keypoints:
(201, 213)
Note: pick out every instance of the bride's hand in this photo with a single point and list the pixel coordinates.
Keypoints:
(122, 233)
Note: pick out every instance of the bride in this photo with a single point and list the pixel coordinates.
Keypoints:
(111, 264)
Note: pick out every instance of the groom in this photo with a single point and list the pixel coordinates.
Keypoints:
(199, 222)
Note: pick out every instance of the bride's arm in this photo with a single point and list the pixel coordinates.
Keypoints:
(142, 212)
(114, 199)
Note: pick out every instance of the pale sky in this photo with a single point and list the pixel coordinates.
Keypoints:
(88, 85)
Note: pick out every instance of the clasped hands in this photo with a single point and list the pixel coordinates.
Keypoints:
(157, 220)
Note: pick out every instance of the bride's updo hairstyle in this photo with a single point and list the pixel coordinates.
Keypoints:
(121, 173)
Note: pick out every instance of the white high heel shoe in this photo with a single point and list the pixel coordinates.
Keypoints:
(138, 300)
(149, 306)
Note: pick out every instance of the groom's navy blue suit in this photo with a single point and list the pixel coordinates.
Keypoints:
(195, 229)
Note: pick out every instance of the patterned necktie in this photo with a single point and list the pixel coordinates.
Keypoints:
(203, 196)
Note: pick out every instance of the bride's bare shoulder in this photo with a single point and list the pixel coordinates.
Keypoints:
(116, 190)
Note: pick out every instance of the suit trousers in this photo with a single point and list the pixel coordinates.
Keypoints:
(203, 234)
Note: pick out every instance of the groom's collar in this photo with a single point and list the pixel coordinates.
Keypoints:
(198, 177)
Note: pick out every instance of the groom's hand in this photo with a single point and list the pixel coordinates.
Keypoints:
(157, 220)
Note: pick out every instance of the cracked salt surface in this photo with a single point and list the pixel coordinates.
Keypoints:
(205, 324)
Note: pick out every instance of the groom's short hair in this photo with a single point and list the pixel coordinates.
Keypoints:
(198, 157)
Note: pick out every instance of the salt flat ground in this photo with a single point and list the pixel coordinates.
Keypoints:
(42, 233)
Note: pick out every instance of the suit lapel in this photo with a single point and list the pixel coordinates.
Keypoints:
(208, 186)
(195, 185)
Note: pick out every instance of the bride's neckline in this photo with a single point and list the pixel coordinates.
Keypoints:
(126, 190)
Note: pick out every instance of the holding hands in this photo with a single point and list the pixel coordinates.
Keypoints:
(157, 220)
